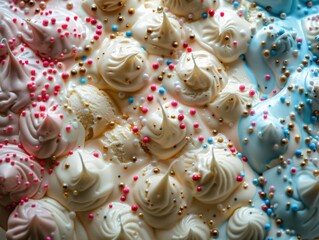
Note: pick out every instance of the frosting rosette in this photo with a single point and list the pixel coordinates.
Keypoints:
(48, 130)
(163, 134)
(226, 35)
(81, 182)
(213, 175)
(160, 34)
(20, 176)
(123, 64)
(57, 35)
(117, 221)
(189, 227)
(311, 30)
(190, 9)
(197, 79)
(44, 219)
(247, 223)
(93, 107)
(160, 197)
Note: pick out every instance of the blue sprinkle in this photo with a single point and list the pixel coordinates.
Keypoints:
(294, 207)
(239, 155)
(267, 202)
(204, 15)
(114, 28)
(267, 226)
(83, 58)
(314, 119)
(161, 90)
(83, 80)
(242, 174)
(205, 145)
(281, 32)
(255, 181)
(314, 58)
(210, 140)
(128, 34)
(282, 99)
(298, 44)
(312, 146)
(130, 99)
(269, 211)
(298, 153)
(236, 4)
(270, 238)
(168, 62)
(309, 101)
(273, 52)
(265, 97)
(315, 73)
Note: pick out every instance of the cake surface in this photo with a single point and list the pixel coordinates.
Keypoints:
(159, 119)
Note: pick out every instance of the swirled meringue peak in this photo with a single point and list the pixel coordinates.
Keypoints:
(189, 227)
(93, 107)
(160, 197)
(197, 78)
(44, 219)
(190, 9)
(160, 33)
(117, 221)
(214, 172)
(82, 181)
(20, 176)
(57, 34)
(247, 223)
(165, 137)
(123, 64)
(226, 35)
(48, 130)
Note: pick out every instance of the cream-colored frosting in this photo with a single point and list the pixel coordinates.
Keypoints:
(20, 176)
(81, 182)
(39, 219)
(158, 32)
(166, 136)
(217, 169)
(117, 221)
(93, 107)
(311, 30)
(247, 223)
(160, 198)
(226, 36)
(50, 133)
(47, 41)
(197, 78)
(122, 144)
(189, 227)
(109, 6)
(191, 9)
(123, 64)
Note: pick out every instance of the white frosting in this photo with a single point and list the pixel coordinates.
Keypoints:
(247, 223)
(164, 31)
(166, 136)
(191, 9)
(81, 182)
(93, 107)
(160, 198)
(189, 227)
(123, 64)
(49, 133)
(197, 78)
(217, 170)
(226, 36)
(311, 30)
(117, 221)
(44, 218)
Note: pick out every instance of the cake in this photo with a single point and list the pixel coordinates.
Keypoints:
(159, 119)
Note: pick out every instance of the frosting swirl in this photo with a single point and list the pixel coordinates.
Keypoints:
(123, 64)
(81, 182)
(199, 78)
(117, 221)
(311, 30)
(49, 133)
(160, 198)
(44, 218)
(110, 6)
(247, 223)
(190, 227)
(225, 35)
(160, 33)
(20, 176)
(93, 108)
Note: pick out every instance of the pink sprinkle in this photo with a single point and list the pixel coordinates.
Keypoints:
(211, 12)
(196, 125)
(153, 87)
(68, 128)
(123, 198)
(174, 103)
(192, 111)
(201, 138)
(91, 216)
(235, 43)
(155, 66)
(126, 190)
(252, 92)
(199, 188)
(134, 207)
(150, 98)
(293, 170)
(253, 123)
(53, 21)
(171, 66)
(135, 178)
(239, 178)
(267, 77)
(195, 177)
(96, 155)
(144, 109)
(222, 14)
(146, 139)
(182, 126)
(232, 149)
(135, 129)
(185, 44)
(189, 49)
(42, 108)
(242, 88)
(45, 23)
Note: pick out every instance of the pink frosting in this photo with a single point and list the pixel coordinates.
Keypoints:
(20, 176)
(31, 220)
(50, 132)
